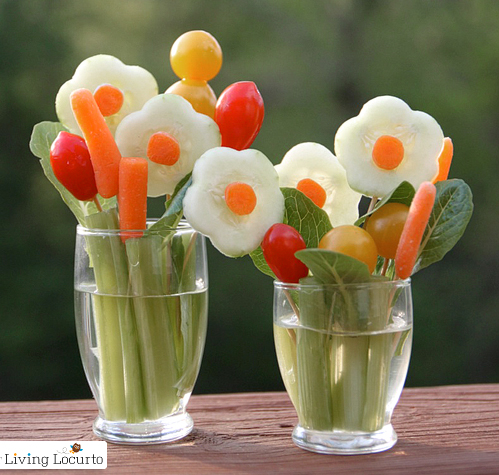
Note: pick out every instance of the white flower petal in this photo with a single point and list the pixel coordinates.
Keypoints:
(419, 133)
(169, 113)
(137, 85)
(314, 161)
(204, 203)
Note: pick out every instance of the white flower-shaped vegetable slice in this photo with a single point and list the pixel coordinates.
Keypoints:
(171, 114)
(386, 144)
(314, 170)
(135, 84)
(208, 209)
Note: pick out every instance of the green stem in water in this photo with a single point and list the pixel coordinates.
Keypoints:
(152, 313)
(312, 357)
(119, 360)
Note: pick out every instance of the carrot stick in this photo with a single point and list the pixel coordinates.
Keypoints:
(103, 150)
(417, 219)
(132, 195)
(444, 160)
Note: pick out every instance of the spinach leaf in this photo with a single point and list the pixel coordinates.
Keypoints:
(331, 267)
(448, 220)
(305, 216)
(404, 193)
(174, 207)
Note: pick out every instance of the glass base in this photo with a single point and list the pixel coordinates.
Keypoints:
(345, 443)
(167, 429)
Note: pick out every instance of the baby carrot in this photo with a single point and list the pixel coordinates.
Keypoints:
(444, 160)
(132, 195)
(417, 219)
(103, 150)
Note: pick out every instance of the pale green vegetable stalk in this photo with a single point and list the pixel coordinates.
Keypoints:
(120, 373)
(154, 328)
(191, 327)
(312, 362)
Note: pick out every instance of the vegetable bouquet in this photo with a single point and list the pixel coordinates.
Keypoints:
(298, 220)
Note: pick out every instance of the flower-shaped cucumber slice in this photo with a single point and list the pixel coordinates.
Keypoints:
(313, 169)
(386, 144)
(171, 135)
(234, 199)
(119, 89)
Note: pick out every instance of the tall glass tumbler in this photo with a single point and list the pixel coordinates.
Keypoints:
(141, 302)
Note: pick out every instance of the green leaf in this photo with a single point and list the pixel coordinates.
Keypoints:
(448, 220)
(42, 137)
(404, 193)
(174, 207)
(307, 218)
(331, 267)
(261, 263)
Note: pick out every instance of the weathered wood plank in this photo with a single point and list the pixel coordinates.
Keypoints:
(450, 429)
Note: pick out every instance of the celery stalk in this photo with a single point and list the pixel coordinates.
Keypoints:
(377, 377)
(119, 364)
(312, 358)
(157, 345)
(194, 309)
(286, 355)
(349, 359)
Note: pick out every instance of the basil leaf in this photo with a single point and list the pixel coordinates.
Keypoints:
(174, 207)
(42, 137)
(404, 193)
(331, 267)
(450, 215)
(307, 218)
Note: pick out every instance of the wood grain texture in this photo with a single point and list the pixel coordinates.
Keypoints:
(448, 429)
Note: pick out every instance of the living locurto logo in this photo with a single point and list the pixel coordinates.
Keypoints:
(54, 455)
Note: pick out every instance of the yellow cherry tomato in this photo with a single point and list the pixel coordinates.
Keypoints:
(385, 226)
(198, 93)
(196, 55)
(352, 241)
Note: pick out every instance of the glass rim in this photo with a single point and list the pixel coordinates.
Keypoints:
(183, 226)
(278, 285)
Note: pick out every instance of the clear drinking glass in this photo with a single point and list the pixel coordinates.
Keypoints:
(343, 353)
(141, 304)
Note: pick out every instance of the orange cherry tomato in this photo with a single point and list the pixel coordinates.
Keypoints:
(196, 55)
(198, 93)
(385, 226)
(352, 241)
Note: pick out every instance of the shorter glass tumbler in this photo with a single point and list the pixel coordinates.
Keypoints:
(141, 316)
(343, 353)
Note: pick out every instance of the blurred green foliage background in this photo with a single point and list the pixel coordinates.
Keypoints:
(316, 63)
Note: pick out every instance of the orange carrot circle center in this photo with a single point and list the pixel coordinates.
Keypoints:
(109, 99)
(163, 148)
(388, 152)
(312, 190)
(240, 198)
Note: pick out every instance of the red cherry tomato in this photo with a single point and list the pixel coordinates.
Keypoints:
(71, 164)
(279, 245)
(239, 114)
